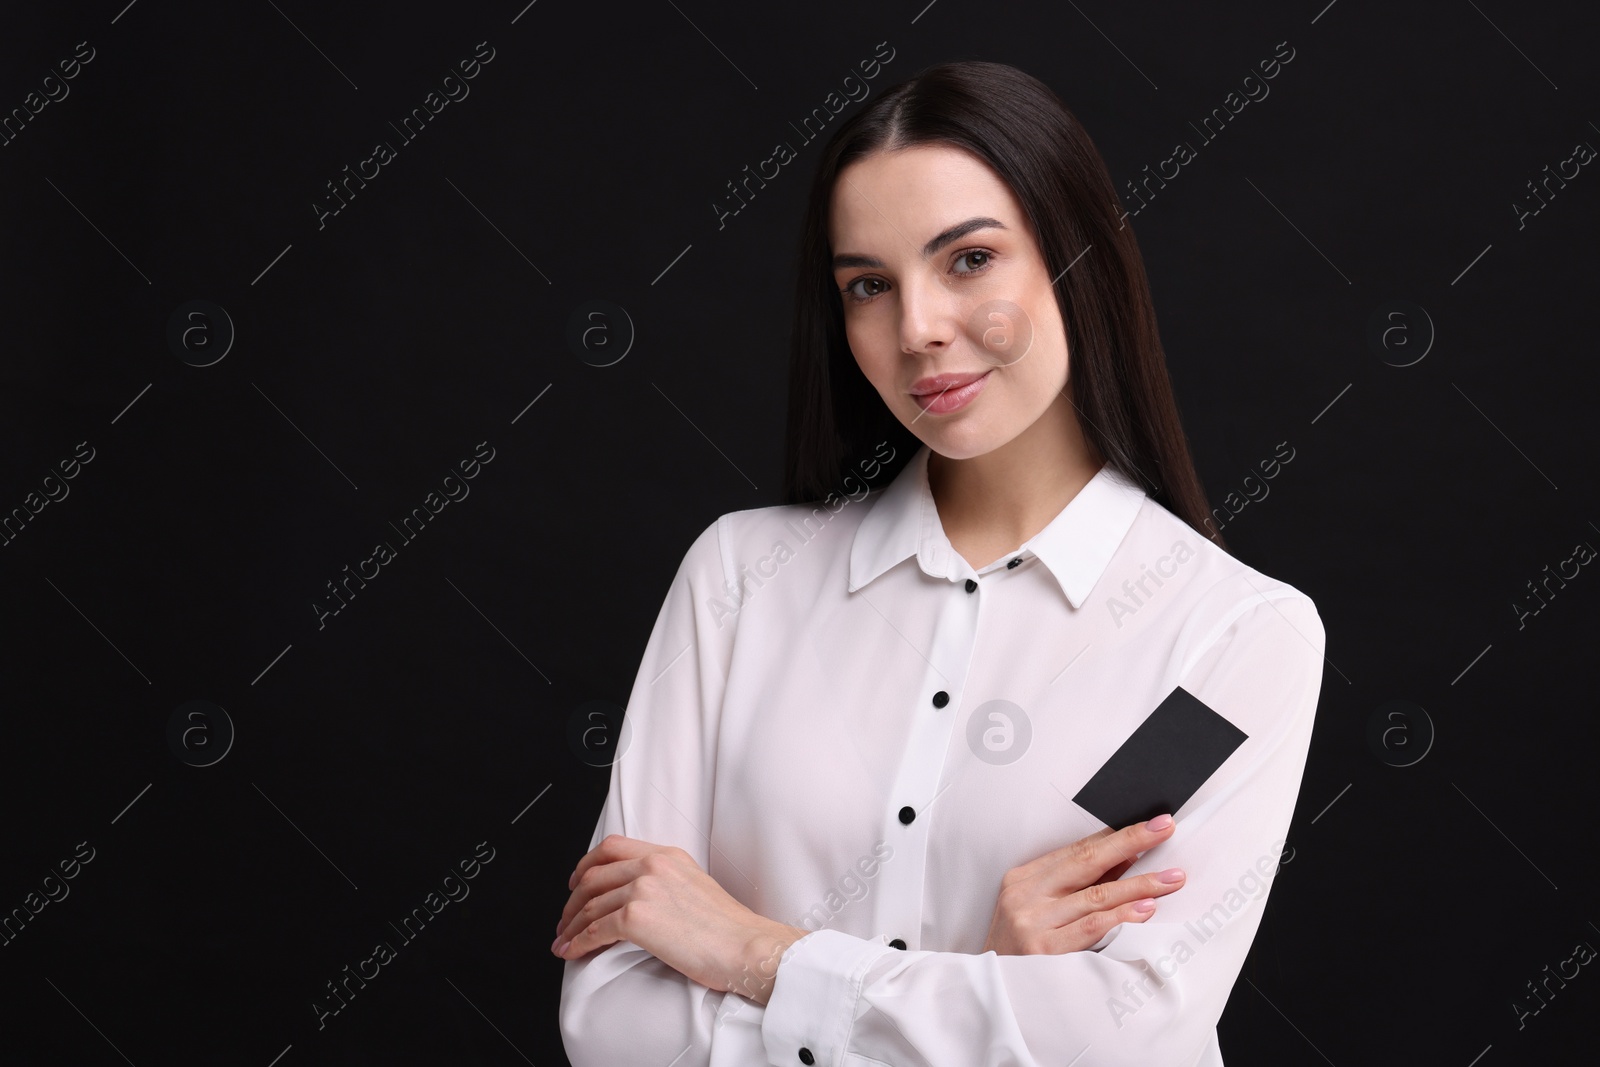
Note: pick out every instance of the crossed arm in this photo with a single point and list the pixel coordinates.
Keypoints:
(659, 898)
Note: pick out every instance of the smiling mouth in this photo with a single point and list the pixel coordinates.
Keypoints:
(951, 398)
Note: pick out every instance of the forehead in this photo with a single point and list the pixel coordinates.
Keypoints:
(903, 197)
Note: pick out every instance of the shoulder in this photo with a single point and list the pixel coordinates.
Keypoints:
(1225, 592)
(753, 537)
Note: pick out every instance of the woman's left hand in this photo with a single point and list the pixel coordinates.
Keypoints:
(657, 897)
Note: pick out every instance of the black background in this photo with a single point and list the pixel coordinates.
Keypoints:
(374, 353)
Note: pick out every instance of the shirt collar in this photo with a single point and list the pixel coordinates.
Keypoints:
(1076, 546)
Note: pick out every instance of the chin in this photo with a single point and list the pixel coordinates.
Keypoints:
(961, 442)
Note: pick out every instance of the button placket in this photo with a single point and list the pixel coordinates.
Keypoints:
(916, 785)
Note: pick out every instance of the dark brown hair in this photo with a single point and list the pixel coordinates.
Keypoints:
(1119, 384)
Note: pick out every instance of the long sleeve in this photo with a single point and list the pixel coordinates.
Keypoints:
(622, 1005)
(1150, 993)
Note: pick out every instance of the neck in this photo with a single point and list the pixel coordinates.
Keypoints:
(994, 502)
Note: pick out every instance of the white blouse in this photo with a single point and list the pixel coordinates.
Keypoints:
(856, 733)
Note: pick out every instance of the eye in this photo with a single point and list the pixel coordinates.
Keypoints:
(974, 252)
(850, 290)
(850, 293)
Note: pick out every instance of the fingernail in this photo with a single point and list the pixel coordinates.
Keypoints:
(1170, 875)
(1160, 822)
(1145, 907)
(555, 946)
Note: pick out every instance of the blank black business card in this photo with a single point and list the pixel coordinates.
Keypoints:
(1178, 746)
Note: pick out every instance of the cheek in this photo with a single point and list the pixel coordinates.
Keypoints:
(1049, 352)
(1034, 380)
(874, 353)
(1052, 371)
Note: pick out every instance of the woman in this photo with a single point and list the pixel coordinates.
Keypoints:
(844, 831)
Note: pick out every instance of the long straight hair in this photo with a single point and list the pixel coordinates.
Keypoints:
(1119, 383)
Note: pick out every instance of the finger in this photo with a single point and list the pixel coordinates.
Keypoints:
(1051, 861)
(1102, 896)
(1125, 891)
(613, 847)
(595, 883)
(1130, 841)
(1081, 934)
(1120, 894)
(596, 926)
(1081, 863)
(1160, 883)
(1116, 872)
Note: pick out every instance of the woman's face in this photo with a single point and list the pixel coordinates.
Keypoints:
(943, 283)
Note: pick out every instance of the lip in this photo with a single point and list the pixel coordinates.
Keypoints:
(944, 393)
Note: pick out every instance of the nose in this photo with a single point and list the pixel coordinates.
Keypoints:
(929, 318)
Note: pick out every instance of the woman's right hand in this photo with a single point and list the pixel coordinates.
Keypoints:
(1066, 900)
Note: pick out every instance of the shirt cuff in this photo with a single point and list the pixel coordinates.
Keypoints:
(814, 997)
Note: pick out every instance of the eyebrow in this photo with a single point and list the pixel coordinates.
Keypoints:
(938, 241)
